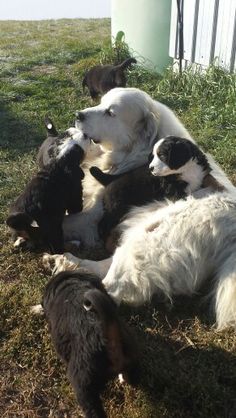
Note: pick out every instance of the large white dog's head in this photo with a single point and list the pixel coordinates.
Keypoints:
(124, 117)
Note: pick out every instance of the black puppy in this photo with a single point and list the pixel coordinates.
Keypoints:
(102, 78)
(186, 170)
(88, 336)
(49, 148)
(54, 189)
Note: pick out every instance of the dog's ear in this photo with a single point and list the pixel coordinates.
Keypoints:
(148, 128)
(179, 155)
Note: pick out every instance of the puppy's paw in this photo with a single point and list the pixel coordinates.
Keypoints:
(48, 261)
(72, 131)
(121, 379)
(37, 310)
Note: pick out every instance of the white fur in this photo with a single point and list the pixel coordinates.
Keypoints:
(175, 253)
(76, 138)
(172, 250)
(37, 309)
(126, 140)
(191, 172)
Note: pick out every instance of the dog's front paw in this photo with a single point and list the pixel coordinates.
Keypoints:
(60, 262)
(37, 310)
(72, 131)
(48, 261)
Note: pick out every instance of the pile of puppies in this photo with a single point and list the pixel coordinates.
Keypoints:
(36, 216)
(83, 319)
(86, 330)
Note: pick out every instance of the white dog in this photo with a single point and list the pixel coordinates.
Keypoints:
(125, 127)
(173, 251)
(166, 248)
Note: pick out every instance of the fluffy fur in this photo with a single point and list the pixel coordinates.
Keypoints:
(125, 125)
(102, 78)
(52, 191)
(88, 336)
(173, 250)
(178, 168)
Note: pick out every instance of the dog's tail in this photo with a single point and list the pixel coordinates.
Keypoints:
(49, 125)
(127, 63)
(100, 302)
(225, 294)
(19, 221)
(103, 178)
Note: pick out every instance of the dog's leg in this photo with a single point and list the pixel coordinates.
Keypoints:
(100, 268)
(87, 395)
(91, 404)
(225, 293)
(52, 234)
(60, 262)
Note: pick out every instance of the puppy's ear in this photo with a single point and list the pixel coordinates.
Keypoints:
(179, 155)
(148, 128)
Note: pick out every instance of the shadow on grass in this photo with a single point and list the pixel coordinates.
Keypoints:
(18, 135)
(185, 372)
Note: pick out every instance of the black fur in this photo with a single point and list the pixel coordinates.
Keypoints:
(139, 186)
(48, 150)
(53, 190)
(176, 152)
(102, 78)
(134, 188)
(88, 336)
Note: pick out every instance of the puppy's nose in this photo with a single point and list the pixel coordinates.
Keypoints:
(80, 116)
(151, 167)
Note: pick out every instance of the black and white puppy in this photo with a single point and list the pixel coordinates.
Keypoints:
(49, 148)
(180, 156)
(102, 78)
(88, 336)
(177, 169)
(55, 189)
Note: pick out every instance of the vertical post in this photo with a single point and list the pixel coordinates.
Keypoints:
(180, 8)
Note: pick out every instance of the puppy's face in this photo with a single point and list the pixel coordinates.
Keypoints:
(170, 155)
(115, 121)
(75, 137)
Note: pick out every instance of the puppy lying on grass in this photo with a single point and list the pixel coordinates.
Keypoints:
(88, 336)
(57, 187)
(178, 168)
(102, 78)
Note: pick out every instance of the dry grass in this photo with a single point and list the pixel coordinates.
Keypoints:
(188, 369)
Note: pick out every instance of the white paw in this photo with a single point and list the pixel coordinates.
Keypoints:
(121, 378)
(60, 262)
(19, 242)
(72, 131)
(37, 310)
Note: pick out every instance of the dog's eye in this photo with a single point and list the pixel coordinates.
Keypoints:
(109, 112)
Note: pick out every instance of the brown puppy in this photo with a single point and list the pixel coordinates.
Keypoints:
(102, 78)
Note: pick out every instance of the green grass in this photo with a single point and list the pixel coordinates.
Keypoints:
(188, 370)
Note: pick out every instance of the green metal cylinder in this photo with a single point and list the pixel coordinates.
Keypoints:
(146, 25)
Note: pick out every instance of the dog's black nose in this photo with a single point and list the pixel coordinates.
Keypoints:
(151, 168)
(80, 116)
